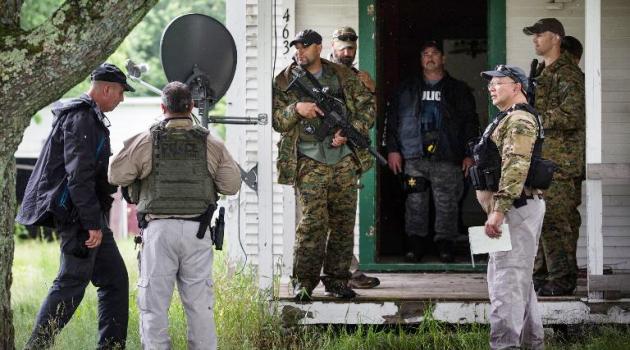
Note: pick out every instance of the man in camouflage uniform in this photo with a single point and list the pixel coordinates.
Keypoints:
(515, 320)
(560, 100)
(344, 51)
(324, 174)
(429, 123)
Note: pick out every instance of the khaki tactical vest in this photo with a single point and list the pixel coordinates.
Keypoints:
(179, 182)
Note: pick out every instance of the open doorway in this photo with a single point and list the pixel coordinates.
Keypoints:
(401, 28)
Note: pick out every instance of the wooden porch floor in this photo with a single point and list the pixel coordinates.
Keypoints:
(469, 287)
(405, 298)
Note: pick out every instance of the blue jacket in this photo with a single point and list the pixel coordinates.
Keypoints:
(69, 181)
(459, 124)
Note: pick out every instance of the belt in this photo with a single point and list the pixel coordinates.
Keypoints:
(522, 200)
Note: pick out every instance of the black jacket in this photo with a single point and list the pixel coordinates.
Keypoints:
(460, 122)
(69, 181)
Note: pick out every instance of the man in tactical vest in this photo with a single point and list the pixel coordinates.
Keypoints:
(559, 96)
(68, 190)
(176, 171)
(324, 173)
(509, 191)
(344, 50)
(429, 124)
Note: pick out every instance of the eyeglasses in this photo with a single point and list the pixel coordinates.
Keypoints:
(346, 37)
(495, 83)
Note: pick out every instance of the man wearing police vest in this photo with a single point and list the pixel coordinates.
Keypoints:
(508, 175)
(177, 170)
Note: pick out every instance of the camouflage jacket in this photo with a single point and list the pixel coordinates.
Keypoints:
(515, 137)
(560, 101)
(360, 108)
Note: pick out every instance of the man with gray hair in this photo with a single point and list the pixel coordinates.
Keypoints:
(68, 191)
(176, 171)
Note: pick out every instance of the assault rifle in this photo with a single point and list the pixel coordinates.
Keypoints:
(334, 114)
(531, 86)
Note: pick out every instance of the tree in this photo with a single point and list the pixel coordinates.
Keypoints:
(38, 66)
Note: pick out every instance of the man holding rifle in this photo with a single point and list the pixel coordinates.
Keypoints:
(321, 163)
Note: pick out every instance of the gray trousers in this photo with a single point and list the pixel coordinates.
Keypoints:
(447, 185)
(515, 319)
(171, 253)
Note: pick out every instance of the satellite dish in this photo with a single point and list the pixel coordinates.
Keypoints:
(198, 50)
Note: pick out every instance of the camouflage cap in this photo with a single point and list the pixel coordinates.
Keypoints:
(545, 25)
(344, 37)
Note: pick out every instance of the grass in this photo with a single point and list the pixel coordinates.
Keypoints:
(247, 320)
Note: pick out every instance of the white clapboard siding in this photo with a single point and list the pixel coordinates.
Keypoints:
(324, 17)
(615, 105)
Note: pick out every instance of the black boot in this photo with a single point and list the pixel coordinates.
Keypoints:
(337, 288)
(445, 249)
(417, 250)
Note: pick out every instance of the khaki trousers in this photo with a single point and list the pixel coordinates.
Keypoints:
(171, 253)
(515, 319)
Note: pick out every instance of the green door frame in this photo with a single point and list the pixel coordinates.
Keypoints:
(367, 195)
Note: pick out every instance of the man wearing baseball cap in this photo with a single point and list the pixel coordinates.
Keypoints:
(68, 191)
(429, 123)
(503, 158)
(324, 173)
(344, 50)
(559, 97)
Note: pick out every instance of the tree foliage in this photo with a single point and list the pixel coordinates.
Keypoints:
(38, 65)
(142, 45)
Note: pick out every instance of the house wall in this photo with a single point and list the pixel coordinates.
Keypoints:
(325, 15)
(291, 16)
(615, 105)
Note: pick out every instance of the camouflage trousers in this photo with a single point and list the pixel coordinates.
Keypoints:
(556, 259)
(447, 185)
(325, 234)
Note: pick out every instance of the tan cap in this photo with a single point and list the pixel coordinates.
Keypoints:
(344, 37)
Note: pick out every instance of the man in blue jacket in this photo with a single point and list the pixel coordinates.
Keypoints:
(68, 190)
(429, 123)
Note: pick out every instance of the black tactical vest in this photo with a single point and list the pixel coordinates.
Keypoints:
(486, 173)
(179, 182)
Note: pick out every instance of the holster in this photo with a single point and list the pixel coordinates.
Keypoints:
(485, 179)
(414, 184)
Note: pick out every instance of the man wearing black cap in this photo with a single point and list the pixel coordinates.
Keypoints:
(68, 190)
(429, 123)
(509, 144)
(559, 98)
(324, 173)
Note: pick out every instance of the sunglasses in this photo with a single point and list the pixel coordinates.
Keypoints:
(346, 37)
(507, 72)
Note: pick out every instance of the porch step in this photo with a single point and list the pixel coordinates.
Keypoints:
(458, 298)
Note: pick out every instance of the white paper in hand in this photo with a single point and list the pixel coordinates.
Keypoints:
(480, 243)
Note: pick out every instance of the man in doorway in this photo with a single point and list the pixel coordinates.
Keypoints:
(559, 97)
(68, 190)
(344, 51)
(177, 203)
(429, 123)
(324, 173)
(505, 153)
